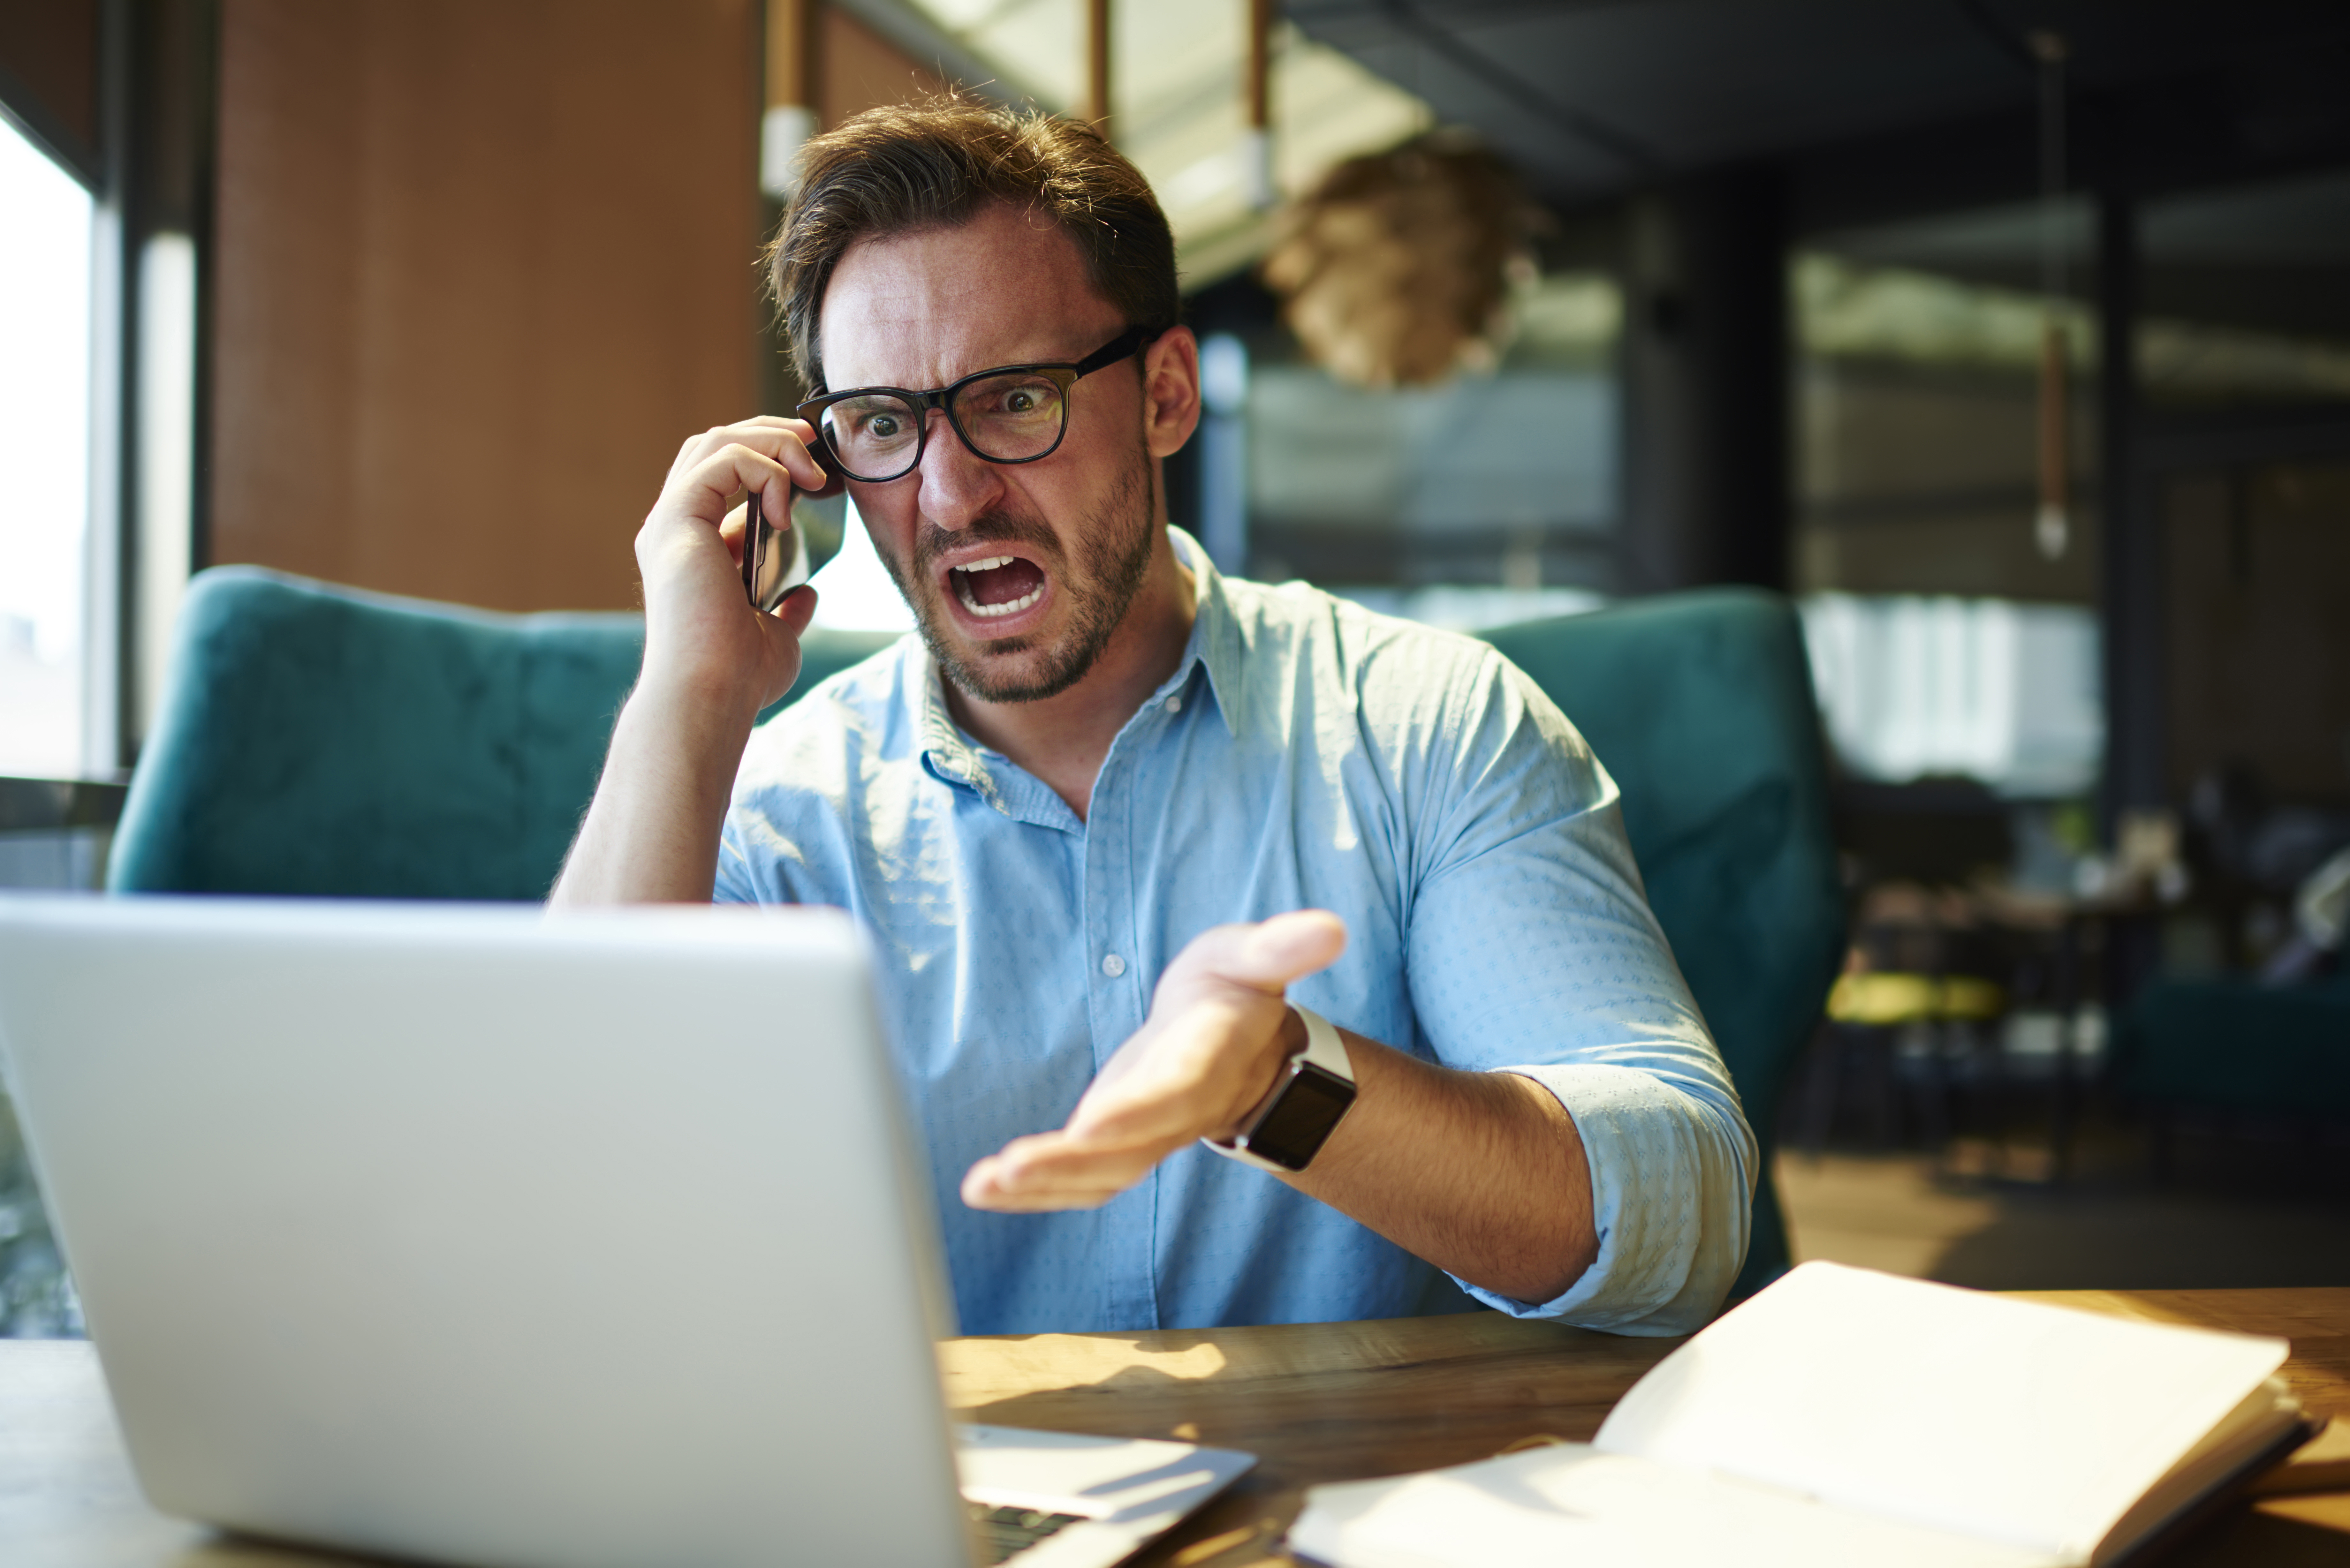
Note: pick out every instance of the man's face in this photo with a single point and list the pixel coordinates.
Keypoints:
(1019, 575)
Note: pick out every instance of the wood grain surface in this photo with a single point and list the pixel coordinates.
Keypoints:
(480, 270)
(1315, 1402)
(1339, 1401)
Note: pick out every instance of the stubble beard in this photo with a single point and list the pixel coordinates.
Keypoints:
(1112, 558)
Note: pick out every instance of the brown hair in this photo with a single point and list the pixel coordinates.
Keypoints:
(934, 164)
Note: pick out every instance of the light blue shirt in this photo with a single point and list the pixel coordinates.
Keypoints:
(1306, 753)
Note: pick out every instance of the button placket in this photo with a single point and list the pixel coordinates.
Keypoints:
(1114, 1007)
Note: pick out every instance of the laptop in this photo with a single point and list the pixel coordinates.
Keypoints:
(477, 1235)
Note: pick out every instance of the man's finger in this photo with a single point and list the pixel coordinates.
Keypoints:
(732, 527)
(797, 609)
(1049, 1171)
(1045, 1159)
(704, 490)
(1267, 956)
(1293, 946)
(1045, 1203)
(785, 441)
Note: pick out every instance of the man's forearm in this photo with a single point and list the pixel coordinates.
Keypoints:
(650, 835)
(1483, 1174)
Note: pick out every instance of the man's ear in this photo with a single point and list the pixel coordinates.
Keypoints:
(1171, 391)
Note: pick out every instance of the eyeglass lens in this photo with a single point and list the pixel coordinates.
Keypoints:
(1011, 418)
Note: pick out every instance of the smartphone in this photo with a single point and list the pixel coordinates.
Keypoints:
(774, 560)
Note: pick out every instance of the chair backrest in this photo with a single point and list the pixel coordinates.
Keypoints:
(1701, 706)
(318, 740)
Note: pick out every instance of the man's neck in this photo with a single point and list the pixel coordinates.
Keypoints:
(1063, 739)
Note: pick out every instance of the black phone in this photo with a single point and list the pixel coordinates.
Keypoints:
(774, 559)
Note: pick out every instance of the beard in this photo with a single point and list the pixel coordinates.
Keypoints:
(1098, 583)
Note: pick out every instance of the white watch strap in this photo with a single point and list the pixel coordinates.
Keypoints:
(1324, 1048)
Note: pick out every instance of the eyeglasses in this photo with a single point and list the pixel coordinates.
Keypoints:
(1013, 413)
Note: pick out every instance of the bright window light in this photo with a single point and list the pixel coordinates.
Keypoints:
(1914, 687)
(854, 591)
(44, 350)
(167, 452)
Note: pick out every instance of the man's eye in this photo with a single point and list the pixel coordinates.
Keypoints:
(880, 427)
(1015, 399)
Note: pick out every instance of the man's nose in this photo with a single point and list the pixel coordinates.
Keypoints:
(956, 484)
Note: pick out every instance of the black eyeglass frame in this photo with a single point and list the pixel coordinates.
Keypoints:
(1063, 373)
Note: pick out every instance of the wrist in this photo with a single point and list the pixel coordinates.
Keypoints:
(1271, 1071)
(708, 704)
(652, 833)
(1313, 1089)
(687, 734)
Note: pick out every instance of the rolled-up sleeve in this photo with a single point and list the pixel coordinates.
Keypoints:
(1671, 1197)
(1533, 950)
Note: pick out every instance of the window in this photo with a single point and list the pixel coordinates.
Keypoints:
(45, 463)
(2244, 304)
(1914, 687)
(1949, 636)
(1918, 398)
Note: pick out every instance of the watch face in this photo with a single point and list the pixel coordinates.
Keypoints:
(1302, 1119)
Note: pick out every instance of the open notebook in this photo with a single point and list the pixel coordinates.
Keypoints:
(1845, 1416)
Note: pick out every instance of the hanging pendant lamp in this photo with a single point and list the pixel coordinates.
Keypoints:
(1397, 270)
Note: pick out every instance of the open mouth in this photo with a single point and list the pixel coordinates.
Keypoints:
(998, 586)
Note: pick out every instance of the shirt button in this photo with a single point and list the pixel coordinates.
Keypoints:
(1113, 965)
(1175, 704)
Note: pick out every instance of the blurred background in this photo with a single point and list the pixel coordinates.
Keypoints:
(2010, 339)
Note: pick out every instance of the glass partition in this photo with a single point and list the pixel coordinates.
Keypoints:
(1918, 411)
(1487, 499)
(2244, 304)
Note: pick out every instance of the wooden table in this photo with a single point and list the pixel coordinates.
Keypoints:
(1319, 1402)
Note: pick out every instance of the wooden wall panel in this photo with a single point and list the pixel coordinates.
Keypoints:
(479, 268)
(48, 50)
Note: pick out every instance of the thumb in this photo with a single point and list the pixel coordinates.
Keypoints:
(1283, 948)
(797, 610)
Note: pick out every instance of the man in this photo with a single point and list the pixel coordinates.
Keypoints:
(1113, 810)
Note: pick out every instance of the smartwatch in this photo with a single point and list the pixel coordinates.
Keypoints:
(1317, 1089)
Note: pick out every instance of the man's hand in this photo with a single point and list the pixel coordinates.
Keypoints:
(703, 642)
(712, 662)
(1210, 1052)
(1483, 1174)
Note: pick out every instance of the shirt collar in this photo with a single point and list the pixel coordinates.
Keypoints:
(947, 752)
(1215, 637)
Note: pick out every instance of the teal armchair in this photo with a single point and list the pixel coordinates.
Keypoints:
(321, 741)
(1701, 706)
(2237, 1047)
(318, 740)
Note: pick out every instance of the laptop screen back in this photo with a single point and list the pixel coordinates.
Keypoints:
(473, 1233)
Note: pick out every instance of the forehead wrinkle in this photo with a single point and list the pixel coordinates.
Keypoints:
(927, 307)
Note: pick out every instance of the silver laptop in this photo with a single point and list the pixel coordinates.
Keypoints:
(488, 1237)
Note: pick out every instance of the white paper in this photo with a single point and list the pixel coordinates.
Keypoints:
(2008, 1420)
(1576, 1506)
